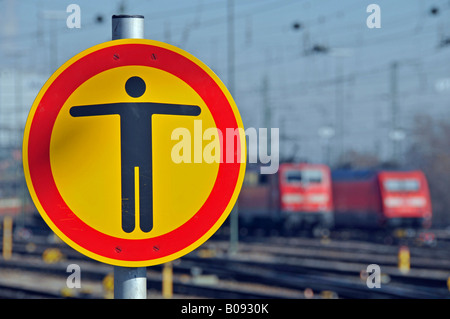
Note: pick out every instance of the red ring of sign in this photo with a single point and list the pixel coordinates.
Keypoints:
(39, 152)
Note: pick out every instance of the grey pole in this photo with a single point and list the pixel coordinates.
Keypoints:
(234, 217)
(129, 282)
(127, 27)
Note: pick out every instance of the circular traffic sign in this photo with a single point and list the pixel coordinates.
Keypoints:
(134, 152)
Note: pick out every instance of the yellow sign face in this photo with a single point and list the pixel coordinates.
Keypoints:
(91, 187)
(127, 152)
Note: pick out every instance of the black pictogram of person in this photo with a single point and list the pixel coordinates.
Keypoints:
(136, 147)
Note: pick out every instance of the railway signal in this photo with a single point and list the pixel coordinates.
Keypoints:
(7, 237)
(167, 281)
(404, 263)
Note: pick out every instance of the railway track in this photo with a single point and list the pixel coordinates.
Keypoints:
(277, 268)
(184, 282)
(351, 251)
(342, 278)
(430, 267)
(13, 292)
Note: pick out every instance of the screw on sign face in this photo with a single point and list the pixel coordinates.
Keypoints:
(98, 147)
(136, 149)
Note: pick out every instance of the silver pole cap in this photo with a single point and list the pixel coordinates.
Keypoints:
(127, 26)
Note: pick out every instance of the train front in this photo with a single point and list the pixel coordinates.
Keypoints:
(405, 198)
(305, 195)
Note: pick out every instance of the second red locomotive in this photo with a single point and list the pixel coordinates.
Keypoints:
(381, 198)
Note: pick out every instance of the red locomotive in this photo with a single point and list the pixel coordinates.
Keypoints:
(298, 196)
(380, 198)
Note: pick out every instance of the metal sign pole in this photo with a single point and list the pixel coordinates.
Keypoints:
(129, 282)
(234, 217)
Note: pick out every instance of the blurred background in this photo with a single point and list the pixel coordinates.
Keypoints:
(342, 94)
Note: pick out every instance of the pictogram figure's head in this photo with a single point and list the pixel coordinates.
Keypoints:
(135, 86)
